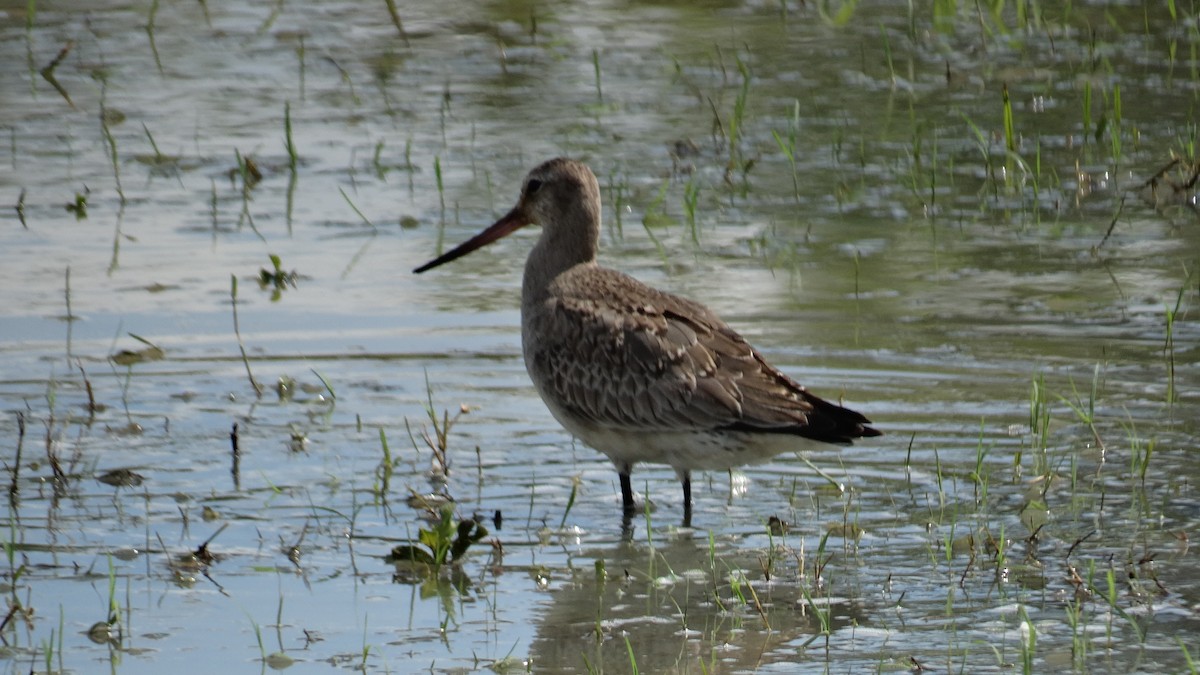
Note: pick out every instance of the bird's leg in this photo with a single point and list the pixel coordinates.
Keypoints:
(626, 491)
(685, 477)
(627, 527)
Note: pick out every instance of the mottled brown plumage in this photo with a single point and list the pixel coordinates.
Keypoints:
(639, 374)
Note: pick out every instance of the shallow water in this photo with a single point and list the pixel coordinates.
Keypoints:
(914, 268)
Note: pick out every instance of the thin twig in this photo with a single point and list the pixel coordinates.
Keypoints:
(1113, 224)
(48, 72)
(237, 457)
(258, 388)
(14, 489)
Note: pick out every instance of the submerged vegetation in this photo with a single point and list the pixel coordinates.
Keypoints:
(974, 221)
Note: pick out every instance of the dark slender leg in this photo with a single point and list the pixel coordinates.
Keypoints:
(627, 493)
(687, 499)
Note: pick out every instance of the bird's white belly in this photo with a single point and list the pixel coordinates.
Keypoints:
(701, 450)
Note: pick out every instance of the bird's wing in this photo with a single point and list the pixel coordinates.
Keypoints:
(623, 355)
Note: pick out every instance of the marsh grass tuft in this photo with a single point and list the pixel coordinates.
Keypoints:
(293, 158)
(262, 648)
(1187, 656)
(633, 667)
(1039, 423)
(383, 472)
(111, 142)
(150, 34)
(395, 16)
(985, 151)
(439, 442)
(824, 615)
(362, 250)
(114, 607)
(1140, 451)
(596, 69)
(1110, 595)
(788, 147)
(248, 172)
(1171, 314)
(732, 135)
(159, 162)
(570, 502)
(1010, 134)
(288, 143)
(1079, 642)
(691, 195)
(1086, 411)
(444, 543)
(979, 475)
(656, 216)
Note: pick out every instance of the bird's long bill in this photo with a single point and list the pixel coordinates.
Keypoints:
(509, 223)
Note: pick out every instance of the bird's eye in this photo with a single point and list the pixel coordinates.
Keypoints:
(533, 186)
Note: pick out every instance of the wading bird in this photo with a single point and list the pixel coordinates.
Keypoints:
(637, 373)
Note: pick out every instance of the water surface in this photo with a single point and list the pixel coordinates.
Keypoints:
(1016, 312)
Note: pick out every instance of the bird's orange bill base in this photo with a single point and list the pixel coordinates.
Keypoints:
(509, 223)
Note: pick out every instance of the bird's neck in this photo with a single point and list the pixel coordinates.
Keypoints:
(553, 255)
